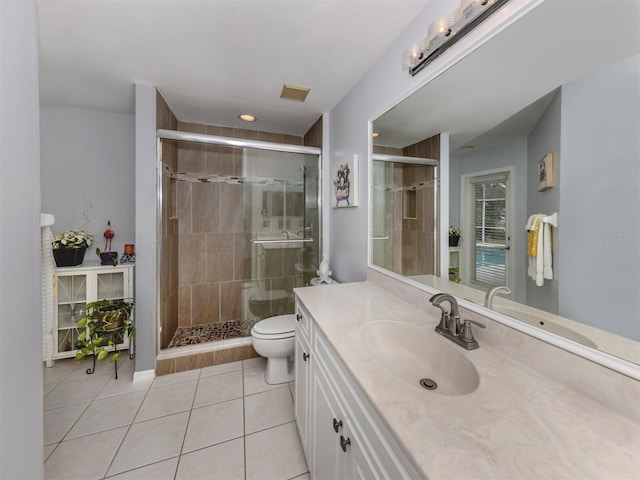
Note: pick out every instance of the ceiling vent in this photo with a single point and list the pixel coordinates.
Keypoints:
(293, 92)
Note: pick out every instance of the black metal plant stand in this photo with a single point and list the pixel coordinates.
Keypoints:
(132, 355)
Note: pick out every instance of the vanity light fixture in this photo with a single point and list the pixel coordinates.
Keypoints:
(375, 134)
(247, 117)
(446, 31)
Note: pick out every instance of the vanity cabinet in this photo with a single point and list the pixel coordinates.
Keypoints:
(302, 369)
(77, 286)
(341, 434)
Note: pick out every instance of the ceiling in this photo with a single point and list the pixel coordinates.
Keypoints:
(504, 86)
(214, 59)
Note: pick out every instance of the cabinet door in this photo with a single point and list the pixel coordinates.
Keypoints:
(112, 285)
(357, 464)
(302, 398)
(71, 301)
(327, 458)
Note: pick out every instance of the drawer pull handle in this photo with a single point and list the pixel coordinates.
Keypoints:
(344, 443)
(337, 425)
(298, 317)
(305, 356)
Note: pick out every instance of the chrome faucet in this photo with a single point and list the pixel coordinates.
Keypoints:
(488, 298)
(450, 326)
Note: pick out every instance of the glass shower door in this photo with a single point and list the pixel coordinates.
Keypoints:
(281, 224)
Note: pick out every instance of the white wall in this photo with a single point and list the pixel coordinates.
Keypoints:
(21, 432)
(384, 85)
(146, 225)
(600, 199)
(88, 158)
(543, 139)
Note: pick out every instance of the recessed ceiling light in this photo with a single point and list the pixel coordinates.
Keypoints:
(375, 134)
(247, 117)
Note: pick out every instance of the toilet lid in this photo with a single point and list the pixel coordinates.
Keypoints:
(276, 325)
(269, 296)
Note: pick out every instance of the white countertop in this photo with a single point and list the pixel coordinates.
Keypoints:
(517, 424)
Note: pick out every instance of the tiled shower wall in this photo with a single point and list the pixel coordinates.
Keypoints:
(169, 259)
(411, 219)
(214, 250)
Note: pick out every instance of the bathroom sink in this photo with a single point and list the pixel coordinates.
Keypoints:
(547, 325)
(412, 354)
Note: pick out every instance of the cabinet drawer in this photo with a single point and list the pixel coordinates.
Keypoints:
(303, 322)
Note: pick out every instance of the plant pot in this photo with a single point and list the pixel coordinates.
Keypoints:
(453, 240)
(112, 319)
(108, 258)
(69, 257)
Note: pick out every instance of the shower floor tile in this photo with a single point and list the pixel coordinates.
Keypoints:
(210, 332)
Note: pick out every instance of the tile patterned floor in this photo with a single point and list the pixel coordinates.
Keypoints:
(221, 422)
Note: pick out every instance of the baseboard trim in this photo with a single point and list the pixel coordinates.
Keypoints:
(144, 375)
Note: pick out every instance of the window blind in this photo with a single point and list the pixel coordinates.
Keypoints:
(489, 220)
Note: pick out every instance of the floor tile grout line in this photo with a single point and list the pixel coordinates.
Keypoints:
(193, 400)
(212, 445)
(270, 428)
(244, 427)
(106, 429)
(143, 466)
(126, 433)
(74, 423)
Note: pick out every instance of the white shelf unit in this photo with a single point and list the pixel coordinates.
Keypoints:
(77, 286)
(455, 262)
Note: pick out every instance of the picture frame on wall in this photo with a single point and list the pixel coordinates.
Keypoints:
(545, 172)
(345, 184)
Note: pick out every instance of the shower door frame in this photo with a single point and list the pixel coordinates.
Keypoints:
(175, 135)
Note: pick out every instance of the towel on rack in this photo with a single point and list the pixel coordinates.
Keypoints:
(539, 259)
(533, 227)
(547, 260)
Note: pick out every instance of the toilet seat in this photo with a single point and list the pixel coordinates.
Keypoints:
(275, 328)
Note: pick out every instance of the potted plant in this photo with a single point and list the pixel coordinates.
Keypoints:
(454, 275)
(108, 257)
(69, 247)
(454, 236)
(104, 327)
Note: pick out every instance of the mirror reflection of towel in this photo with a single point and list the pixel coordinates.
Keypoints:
(539, 261)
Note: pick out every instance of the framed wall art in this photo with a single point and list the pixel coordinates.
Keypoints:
(345, 184)
(545, 172)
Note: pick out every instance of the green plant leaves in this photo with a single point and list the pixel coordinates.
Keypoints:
(102, 354)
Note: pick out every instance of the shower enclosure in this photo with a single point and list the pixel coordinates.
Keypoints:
(239, 226)
(405, 215)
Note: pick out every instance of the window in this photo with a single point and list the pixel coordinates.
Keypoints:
(489, 212)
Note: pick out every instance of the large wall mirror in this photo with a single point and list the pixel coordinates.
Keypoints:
(544, 118)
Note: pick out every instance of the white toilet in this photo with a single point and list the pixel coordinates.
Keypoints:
(275, 339)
